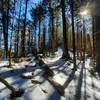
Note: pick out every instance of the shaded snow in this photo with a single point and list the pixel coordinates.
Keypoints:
(79, 85)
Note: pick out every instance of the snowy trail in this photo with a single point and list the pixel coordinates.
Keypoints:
(79, 85)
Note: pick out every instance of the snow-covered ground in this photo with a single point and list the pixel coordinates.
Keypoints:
(79, 85)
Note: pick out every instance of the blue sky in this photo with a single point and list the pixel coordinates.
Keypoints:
(32, 3)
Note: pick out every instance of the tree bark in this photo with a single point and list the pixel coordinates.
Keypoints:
(5, 20)
(97, 32)
(73, 33)
(65, 39)
(93, 38)
(44, 33)
(19, 15)
(39, 34)
(23, 34)
(7, 84)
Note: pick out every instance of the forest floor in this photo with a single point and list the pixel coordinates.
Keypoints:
(79, 85)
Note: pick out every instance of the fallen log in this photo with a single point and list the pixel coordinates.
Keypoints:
(7, 85)
(15, 93)
(49, 72)
(57, 86)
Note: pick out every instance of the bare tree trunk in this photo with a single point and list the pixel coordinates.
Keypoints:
(56, 33)
(0, 36)
(5, 18)
(12, 34)
(15, 93)
(29, 41)
(77, 40)
(93, 37)
(17, 47)
(23, 34)
(35, 37)
(73, 32)
(84, 33)
(44, 33)
(81, 45)
(52, 32)
(97, 33)
(7, 84)
(97, 30)
(89, 46)
(65, 39)
(39, 34)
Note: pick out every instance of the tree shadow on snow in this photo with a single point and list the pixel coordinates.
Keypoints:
(14, 72)
(60, 66)
(85, 97)
(70, 78)
(54, 96)
(59, 63)
(79, 85)
(93, 87)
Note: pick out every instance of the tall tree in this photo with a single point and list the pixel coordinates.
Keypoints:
(93, 37)
(97, 32)
(12, 30)
(17, 34)
(35, 21)
(44, 38)
(24, 31)
(65, 38)
(73, 32)
(5, 22)
(52, 33)
(40, 12)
